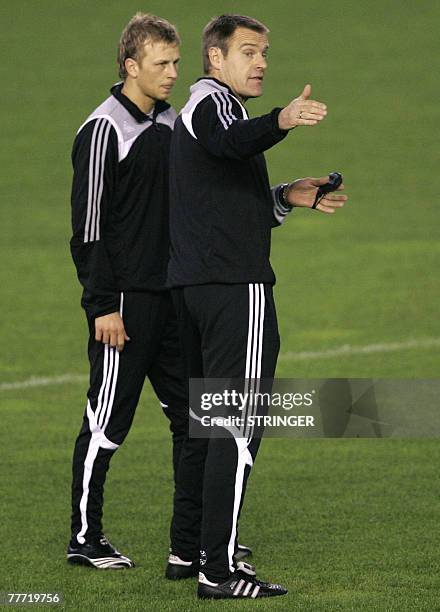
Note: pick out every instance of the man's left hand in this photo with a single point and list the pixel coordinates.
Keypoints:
(302, 193)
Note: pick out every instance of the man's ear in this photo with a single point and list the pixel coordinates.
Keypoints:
(215, 56)
(131, 66)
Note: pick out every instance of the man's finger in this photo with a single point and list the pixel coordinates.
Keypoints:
(333, 197)
(306, 107)
(306, 92)
(325, 209)
(121, 340)
(322, 180)
(316, 104)
(318, 116)
(306, 122)
(113, 340)
(105, 336)
(126, 336)
(332, 203)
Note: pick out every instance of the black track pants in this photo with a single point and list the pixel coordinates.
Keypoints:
(227, 331)
(116, 381)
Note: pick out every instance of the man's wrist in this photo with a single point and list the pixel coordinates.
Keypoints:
(283, 196)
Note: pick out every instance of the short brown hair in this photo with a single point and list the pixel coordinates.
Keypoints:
(141, 28)
(220, 29)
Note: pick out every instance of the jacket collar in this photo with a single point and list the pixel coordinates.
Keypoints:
(133, 109)
(215, 82)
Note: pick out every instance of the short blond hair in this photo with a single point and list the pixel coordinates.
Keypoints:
(141, 28)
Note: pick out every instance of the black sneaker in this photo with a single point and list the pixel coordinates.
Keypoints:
(178, 569)
(242, 584)
(97, 553)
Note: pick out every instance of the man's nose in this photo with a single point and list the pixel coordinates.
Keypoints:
(172, 72)
(261, 62)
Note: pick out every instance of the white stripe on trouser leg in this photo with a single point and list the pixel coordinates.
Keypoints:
(107, 375)
(254, 352)
(113, 389)
(252, 368)
(243, 458)
(111, 357)
(248, 382)
(254, 359)
(259, 353)
(110, 387)
(98, 439)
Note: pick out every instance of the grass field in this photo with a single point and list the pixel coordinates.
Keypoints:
(345, 524)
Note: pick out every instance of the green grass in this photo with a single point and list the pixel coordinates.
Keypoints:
(345, 524)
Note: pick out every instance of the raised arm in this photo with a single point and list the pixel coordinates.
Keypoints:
(220, 128)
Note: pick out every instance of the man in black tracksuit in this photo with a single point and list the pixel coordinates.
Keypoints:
(120, 247)
(222, 210)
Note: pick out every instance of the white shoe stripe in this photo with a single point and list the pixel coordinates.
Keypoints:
(238, 588)
(247, 589)
(255, 592)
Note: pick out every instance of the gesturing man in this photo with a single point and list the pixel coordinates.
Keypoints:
(222, 211)
(120, 247)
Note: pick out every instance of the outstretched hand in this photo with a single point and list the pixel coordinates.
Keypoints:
(302, 111)
(302, 193)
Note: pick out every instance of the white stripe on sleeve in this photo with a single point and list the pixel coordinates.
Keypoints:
(220, 112)
(98, 151)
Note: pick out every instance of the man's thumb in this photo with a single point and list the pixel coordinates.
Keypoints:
(306, 92)
(322, 180)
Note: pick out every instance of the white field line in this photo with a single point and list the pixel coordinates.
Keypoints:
(368, 349)
(43, 382)
(340, 351)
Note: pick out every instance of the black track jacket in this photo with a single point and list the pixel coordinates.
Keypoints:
(120, 215)
(222, 208)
